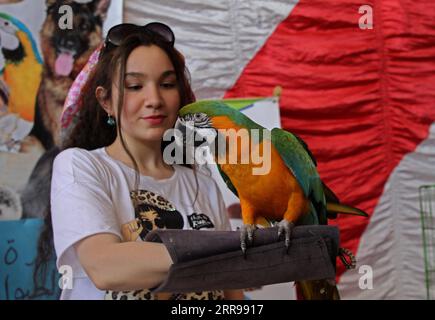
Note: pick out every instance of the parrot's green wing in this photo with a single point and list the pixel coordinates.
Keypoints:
(302, 142)
(302, 165)
(227, 181)
(297, 159)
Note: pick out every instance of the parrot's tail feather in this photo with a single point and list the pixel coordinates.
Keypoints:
(334, 207)
(329, 194)
(317, 290)
(337, 208)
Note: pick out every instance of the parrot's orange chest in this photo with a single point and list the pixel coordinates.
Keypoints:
(267, 193)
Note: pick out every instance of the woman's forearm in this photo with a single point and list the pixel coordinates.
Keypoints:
(117, 266)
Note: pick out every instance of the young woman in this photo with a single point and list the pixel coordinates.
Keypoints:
(111, 185)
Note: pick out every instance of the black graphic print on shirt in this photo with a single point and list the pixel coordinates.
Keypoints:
(152, 211)
(199, 220)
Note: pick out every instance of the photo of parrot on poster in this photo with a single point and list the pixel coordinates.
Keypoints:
(20, 69)
(290, 193)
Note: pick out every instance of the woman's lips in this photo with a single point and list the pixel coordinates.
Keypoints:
(154, 119)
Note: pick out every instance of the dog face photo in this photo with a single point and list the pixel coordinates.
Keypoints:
(65, 52)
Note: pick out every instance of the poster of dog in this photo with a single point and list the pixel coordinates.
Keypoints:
(39, 60)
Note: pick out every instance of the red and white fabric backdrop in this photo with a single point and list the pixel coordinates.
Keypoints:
(363, 99)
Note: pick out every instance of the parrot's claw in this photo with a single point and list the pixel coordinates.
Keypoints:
(286, 227)
(246, 232)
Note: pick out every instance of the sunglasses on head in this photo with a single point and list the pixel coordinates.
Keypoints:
(119, 32)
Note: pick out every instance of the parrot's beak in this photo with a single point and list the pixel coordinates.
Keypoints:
(180, 139)
(192, 135)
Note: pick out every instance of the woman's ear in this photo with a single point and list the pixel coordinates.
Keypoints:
(103, 100)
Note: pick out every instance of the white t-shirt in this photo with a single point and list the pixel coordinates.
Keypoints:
(91, 194)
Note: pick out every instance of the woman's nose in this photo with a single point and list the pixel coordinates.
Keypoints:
(153, 99)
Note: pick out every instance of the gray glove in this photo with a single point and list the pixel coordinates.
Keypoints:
(213, 260)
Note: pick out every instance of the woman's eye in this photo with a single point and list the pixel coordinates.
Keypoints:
(134, 87)
(168, 85)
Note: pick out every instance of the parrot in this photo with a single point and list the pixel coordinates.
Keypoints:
(22, 66)
(290, 192)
